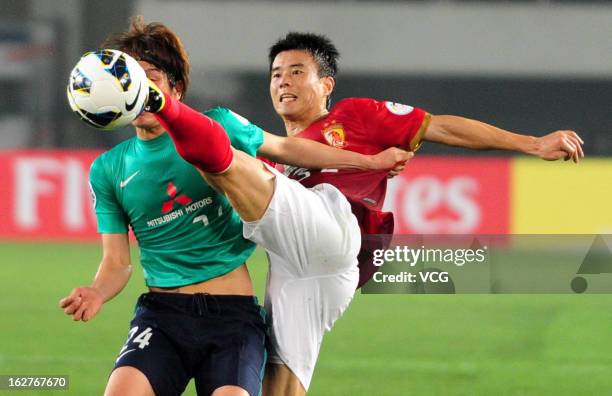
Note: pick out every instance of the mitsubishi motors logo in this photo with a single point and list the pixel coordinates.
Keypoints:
(169, 204)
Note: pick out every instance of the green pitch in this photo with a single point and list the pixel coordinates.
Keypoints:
(384, 345)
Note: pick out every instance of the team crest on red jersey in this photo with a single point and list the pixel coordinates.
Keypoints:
(334, 135)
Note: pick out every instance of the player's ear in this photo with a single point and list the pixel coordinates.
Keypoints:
(178, 91)
(328, 84)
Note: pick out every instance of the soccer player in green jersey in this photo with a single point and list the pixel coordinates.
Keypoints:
(199, 319)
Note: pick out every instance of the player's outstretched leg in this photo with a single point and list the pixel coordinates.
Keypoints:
(204, 143)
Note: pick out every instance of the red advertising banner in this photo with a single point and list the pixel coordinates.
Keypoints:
(45, 195)
(456, 195)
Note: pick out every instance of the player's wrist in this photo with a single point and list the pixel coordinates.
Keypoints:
(380, 161)
(530, 145)
(99, 293)
(371, 162)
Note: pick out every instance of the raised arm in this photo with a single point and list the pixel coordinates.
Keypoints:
(464, 132)
(84, 302)
(307, 153)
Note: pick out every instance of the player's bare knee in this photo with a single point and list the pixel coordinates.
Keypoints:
(230, 390)
(245, 168)
(128, 381)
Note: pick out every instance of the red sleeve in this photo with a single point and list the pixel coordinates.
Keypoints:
(392, 124)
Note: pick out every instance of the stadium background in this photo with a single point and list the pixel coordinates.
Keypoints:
(530, 66)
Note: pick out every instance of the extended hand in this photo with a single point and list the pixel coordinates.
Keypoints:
(83, 303)
(394, 159)
(560, 144)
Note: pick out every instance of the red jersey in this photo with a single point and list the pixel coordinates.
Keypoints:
(366, 126)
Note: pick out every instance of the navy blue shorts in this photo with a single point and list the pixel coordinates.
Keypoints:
(217, 340)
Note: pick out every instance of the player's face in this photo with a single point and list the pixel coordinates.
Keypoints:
(295, 86)
(148, 120)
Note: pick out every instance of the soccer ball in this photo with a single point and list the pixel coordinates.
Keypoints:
(107, 89)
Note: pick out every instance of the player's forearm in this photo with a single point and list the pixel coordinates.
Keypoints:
(307, 153)
(111, 278)
(473, 134)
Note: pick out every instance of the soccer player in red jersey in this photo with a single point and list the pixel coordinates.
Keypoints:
(302, 77)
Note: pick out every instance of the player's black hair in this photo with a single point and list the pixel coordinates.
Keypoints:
(156, 44)
(319, 46)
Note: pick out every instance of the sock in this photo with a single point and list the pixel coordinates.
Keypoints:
(200, 140)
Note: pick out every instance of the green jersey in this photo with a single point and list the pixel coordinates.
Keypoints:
(186, 231)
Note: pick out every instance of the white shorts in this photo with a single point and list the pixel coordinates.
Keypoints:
(312, 240)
